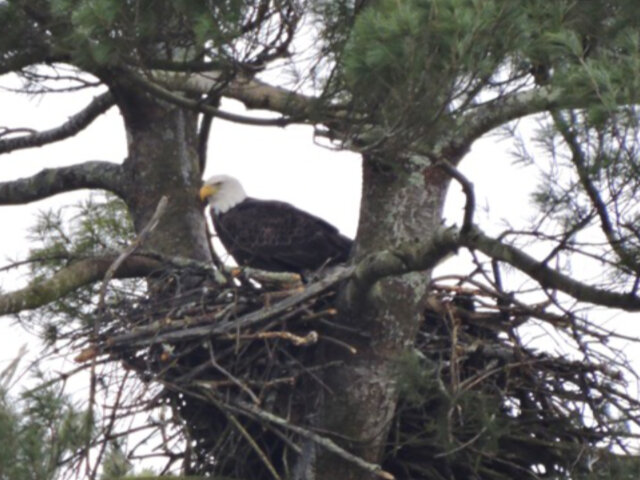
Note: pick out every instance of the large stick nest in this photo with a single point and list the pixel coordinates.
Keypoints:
(241, 368)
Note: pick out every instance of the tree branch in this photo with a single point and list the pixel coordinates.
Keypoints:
(177, 99)
(51, 181)
(467, 188)
(425, 255)
(492, 114)
(184, 330)
(142, 236)
(75, 124)
(257, 94)
(546, 276)
(579, 160)
(69, 279)
(484, 118)
(409, 257)
(252, 93)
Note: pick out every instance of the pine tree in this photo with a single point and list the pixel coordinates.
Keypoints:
(40, 430)
(375, 370)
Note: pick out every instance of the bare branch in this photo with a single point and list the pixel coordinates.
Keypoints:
(320, 440)
(75, 124)
(69, 279)
(256, 94)
(546, 276)
(467, 188)
(51, 181)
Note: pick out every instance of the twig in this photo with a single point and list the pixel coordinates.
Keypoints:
(232, 418)
(320, 440)
(150, 336)
(352, 350)
(162, 205)
(464, 445)
(233, 379)
(111, 423)
(308, 339)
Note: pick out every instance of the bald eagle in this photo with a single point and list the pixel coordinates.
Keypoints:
(268, 234)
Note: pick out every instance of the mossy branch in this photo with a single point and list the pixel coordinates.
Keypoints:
(67, 280)
(51, 181)
(409, 257)
(423, 255)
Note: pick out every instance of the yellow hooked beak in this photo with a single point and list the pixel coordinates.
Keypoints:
(208, 190)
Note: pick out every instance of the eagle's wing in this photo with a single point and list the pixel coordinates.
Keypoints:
(277, 236)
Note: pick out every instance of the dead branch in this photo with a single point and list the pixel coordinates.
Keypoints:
(297, 340)
(178, 99)
(320, 440)
(180, 331)
(251, 92)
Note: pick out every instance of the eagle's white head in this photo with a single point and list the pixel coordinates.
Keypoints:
(222, 192)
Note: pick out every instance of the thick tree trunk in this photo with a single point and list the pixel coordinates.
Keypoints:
(163, 160)
(401, 202)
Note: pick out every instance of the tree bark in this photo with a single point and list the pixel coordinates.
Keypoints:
(402, 202)
(163, 160)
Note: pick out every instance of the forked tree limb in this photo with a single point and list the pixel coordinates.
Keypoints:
(178, 99)
(546, 276)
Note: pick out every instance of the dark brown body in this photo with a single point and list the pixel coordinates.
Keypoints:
(276, 236)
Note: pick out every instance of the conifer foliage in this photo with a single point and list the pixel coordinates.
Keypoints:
(379, 368)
